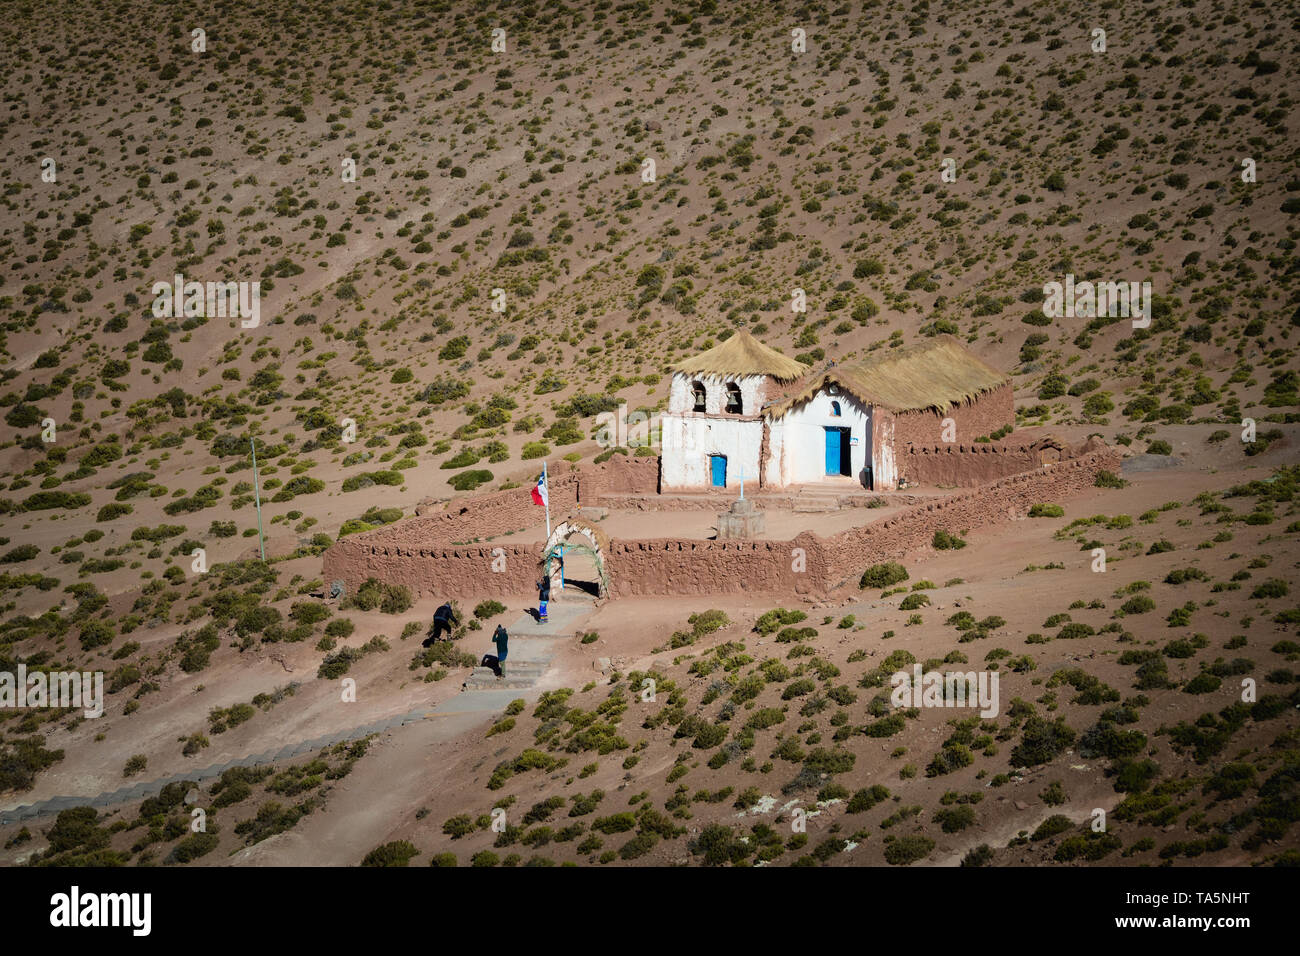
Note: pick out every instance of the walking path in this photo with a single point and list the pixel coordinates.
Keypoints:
(529, 655)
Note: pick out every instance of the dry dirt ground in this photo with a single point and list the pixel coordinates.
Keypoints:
(414, 779)
(522, 171)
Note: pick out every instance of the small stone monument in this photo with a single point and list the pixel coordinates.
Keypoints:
(742, 521)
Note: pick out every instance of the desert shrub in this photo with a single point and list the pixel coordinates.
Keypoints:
(96, 633)
(866, 798)
(943, 541)
(955, 819)
(776, 619)
(1089, 845)
(1138, 604)
(904, 850)
(21, 759)
(375, 594)
(135, 765)
(981, 855)
(469, 480)
(394, 853)
(883, 575)
(487, 609)
(1042, 741)
(339, 627)
(1054, 825)
(1202, 683)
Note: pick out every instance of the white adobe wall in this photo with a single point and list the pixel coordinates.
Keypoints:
(681, 397)
(798, 441)
(690, 439)
(885, 465)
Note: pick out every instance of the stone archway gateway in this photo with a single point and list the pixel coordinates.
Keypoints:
(583, 549)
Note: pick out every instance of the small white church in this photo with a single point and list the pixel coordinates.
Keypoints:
(744, 411)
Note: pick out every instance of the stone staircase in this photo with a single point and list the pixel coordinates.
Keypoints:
(531, 643)
(514, 675)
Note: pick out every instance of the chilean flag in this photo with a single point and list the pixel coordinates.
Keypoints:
(539, 491)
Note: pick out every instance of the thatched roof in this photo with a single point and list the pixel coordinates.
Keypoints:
(741, 355)
(939, 374)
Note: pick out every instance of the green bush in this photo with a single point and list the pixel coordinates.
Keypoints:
(1046, 511)
(1054, 825)
(469, 480)
(112, 511)
(943, 541)
(487, 609)
(776, 619)
(388, 598)
(955, 819)
(395, 853)
(1042, 741)
(882, 575)
(194, 846)
(904, 850)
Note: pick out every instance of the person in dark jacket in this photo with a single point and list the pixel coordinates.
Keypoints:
(500, 639)
(543, 598)
(443, 619)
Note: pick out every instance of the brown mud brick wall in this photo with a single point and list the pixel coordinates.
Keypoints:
(983, 416)
(970, 466)
(963, 466)
(850, 552)
(670, 566)
(482, 570)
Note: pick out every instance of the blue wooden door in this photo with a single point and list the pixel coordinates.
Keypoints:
(718, 469)
(833, 437)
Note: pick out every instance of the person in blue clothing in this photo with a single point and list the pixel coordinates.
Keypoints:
(543, 598)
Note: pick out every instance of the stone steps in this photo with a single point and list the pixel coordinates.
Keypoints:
(514, 674)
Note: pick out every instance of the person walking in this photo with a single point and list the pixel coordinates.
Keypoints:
(500, 639)
(543, 598)
(444, 619)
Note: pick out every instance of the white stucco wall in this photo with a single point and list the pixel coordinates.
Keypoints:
(681, 397)
(690, 439)
(885, 467)
(798, 441)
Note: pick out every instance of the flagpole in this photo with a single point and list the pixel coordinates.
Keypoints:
(546, 483)
(257, 495)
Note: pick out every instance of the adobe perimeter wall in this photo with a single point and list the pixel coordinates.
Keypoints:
(850, 552)
(807, 564)
(981, 463)
(432, 553)
(670, 566)
(483, 570)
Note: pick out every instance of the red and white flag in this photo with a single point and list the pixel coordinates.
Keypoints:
(539, 491)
